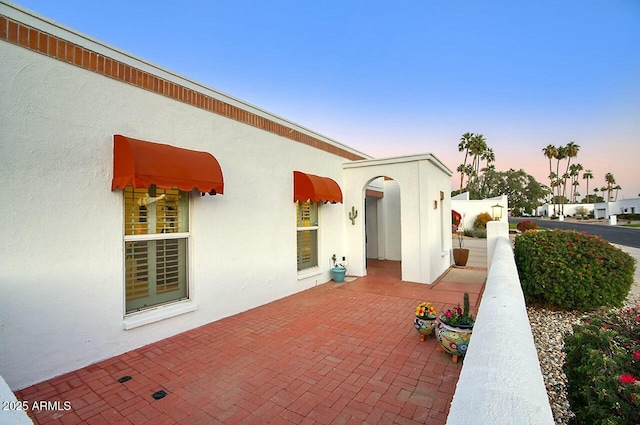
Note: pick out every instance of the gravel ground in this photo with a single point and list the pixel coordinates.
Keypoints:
(548, 328)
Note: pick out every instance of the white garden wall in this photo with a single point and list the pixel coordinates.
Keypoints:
(501, 381)
(470, 209)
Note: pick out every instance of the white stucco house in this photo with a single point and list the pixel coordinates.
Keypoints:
(142, 204)
(622, 206)
(546, 210)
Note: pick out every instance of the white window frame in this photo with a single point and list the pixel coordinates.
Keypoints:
(314, 270)
(134, 319)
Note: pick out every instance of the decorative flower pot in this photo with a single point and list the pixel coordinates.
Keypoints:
(425, 326)
(338, 273)
(453, 340)
(460, 256)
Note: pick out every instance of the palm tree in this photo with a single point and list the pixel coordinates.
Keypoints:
(617, 188)
(610, 180)
(570, 151)
(465, 141)
(560, 155)
(550, 152)
(477, 148)
(587, 175)
(574, 191)
(574, 173)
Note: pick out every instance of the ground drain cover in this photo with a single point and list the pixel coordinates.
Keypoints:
(124, 379)
(159, 394)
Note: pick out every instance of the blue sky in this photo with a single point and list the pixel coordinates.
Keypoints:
(395, 78)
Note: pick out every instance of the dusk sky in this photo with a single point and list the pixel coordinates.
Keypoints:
(405, 77)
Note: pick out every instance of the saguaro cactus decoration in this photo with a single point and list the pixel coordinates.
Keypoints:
(353, 214)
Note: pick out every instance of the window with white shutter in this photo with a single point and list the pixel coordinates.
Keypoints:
(307, 234)
(155, 246)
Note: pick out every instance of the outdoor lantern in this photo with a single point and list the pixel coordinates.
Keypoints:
(496, 212)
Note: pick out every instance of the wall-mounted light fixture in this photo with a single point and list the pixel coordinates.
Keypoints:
(496, 212)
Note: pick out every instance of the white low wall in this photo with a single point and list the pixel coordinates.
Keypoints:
(12, 412)
(501, 381)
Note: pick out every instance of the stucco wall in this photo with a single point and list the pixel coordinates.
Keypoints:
(501, 381)
(392, 221)
(470, 209)
(421, 179)
(61, 254)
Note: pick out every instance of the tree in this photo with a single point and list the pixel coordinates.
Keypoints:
(617, 188)
(477, 149)
(570, 151)
(465, 141)
(574, 173)
(610, 180)
(557, 184)
(587, 175)
(522, 190)
(550, 152)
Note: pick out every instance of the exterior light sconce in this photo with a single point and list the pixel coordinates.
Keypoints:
(352, 215)
(496, 212)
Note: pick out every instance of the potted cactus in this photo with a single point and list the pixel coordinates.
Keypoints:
(454, 329)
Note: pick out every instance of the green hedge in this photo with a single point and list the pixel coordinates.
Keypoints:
(629, 216)
(571, 270)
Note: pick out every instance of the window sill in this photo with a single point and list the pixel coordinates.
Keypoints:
(146, 317)
(303, 274)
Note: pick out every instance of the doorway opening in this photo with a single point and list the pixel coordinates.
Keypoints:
(383, 252)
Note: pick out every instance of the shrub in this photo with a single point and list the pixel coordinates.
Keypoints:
(523, 226)
(603, 368)
(571, 270)
(481, 221)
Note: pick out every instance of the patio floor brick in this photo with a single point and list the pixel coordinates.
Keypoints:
(334, 354)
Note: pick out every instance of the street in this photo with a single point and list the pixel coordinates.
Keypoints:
(621, 235)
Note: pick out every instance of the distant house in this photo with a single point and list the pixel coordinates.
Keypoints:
(140, 204)
(623, 206)
(546, 210)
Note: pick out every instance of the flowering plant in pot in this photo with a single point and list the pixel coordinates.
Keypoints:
(338, 271)
(425, 320)
(454, 329)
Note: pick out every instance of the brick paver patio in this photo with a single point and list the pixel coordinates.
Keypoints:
(335, 354)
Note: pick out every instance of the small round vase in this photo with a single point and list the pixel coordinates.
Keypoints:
(425, 326)
(452, 339)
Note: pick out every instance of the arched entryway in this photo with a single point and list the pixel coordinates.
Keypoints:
(382, 222)
(423, 184)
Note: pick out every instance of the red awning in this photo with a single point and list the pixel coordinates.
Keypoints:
(141, 164)
(314, 188)
(456, 217)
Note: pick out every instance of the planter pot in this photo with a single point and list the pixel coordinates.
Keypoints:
(453, 340)
(460, 256)
(425, 326)
(338, 273)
